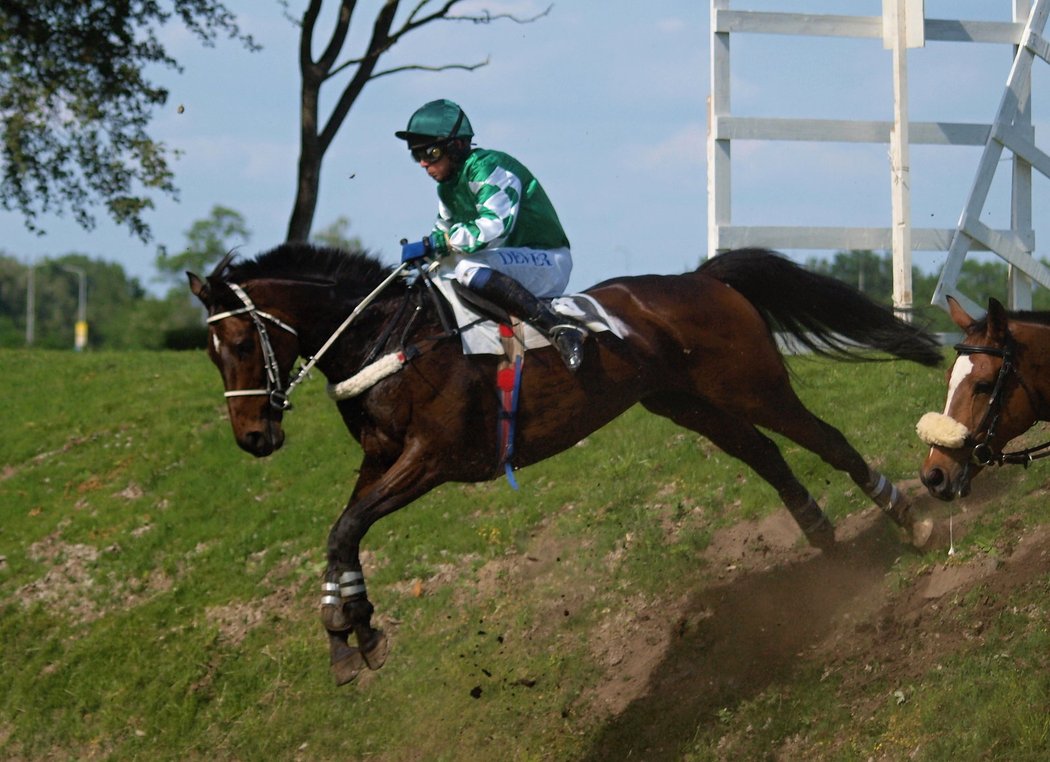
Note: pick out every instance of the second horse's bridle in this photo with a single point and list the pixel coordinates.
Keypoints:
(982, 453)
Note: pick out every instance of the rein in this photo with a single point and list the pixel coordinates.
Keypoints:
(303, 371)
(981, 452)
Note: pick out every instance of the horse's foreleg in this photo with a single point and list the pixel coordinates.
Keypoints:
(738, 438)
(345, 607)
(896, 505)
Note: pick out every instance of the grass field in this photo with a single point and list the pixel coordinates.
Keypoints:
(158, 590)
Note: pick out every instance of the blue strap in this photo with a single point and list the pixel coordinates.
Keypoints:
(512, 416)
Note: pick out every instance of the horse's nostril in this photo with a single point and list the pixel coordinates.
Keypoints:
(932, 478)
(257, 443)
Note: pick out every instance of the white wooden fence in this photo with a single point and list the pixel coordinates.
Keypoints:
(902, 24)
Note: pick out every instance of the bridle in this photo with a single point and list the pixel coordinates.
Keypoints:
(274, 390)
(981, 453)
(277, 394)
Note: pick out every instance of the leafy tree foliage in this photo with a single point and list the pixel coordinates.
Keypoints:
(336, 235)
(207, 242)
(75, 103)
(870, 272)
(112, 299)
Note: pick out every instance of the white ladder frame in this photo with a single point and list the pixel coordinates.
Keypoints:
(1012, 129)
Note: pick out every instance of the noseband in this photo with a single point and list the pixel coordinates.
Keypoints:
(982, 453)
(274, 390)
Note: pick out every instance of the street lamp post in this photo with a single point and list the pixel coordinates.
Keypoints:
(30, 304)
(80, 335)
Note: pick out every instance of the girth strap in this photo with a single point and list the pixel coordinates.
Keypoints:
(508, 383)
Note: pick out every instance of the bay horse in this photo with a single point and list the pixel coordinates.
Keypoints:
(697, 348)
(998, 388)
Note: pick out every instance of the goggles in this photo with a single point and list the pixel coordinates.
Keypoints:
(429, 154)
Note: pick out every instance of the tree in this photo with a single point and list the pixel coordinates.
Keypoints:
(13, 291)
(75, 103)
(315, 137)
(207, 241)
(112, 298)
(335, 235)
(873, 274)
(868, 271)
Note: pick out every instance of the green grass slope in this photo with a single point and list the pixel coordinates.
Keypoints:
(158, 591)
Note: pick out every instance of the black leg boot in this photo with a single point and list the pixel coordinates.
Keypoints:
(507, 293)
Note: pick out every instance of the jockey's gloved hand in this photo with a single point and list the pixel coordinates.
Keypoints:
(439, 243)
(434, 245)
(412, 253)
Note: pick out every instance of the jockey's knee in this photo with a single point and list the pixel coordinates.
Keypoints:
(467, 272)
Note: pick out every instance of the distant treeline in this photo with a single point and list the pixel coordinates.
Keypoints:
(872, 273)
(122, 314)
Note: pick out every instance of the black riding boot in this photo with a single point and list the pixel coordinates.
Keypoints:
(507, 293)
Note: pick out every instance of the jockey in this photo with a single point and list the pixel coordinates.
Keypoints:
(495, 223)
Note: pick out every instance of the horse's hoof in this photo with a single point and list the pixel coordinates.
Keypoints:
(376, 651)
(334, 618)
(348, 668)
(822, 538)
(346, 660)
(921, 531)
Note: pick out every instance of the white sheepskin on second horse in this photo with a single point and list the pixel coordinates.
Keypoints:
(941, 430)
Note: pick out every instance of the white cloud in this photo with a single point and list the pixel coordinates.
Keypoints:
(684, 148)
(671, 25)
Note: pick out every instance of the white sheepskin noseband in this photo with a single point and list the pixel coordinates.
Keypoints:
(941, 430)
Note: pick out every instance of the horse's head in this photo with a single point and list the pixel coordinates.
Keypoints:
(987, 404)
(254, 350)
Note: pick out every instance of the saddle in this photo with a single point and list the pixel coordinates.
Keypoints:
(478, 320)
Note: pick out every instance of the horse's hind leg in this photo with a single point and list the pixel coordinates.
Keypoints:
(738, 438)
(789, 417)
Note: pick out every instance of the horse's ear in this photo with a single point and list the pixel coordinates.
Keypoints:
(997, 328)
(223, 264)
(959, 316)
(199, 287)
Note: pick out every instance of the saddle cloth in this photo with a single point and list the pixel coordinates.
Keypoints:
(480, 334)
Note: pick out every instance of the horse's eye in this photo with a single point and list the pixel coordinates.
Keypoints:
(983, 387)
(244, 347)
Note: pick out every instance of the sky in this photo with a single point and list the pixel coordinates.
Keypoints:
(605, 102)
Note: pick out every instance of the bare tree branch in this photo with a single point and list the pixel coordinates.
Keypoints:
(421, 67)
(314, 139)
(413, 23)
(487, 18)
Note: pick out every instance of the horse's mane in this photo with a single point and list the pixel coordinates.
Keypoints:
(308, 262)
(1028, 316)
(1041, 317)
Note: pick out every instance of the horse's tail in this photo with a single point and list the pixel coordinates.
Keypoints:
(828, 316)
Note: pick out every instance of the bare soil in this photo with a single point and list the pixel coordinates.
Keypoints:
(768, 604)
(778, 606)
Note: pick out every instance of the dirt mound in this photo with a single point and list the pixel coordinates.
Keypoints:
(778, 605)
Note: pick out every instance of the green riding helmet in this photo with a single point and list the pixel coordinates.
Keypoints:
(437, 120)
